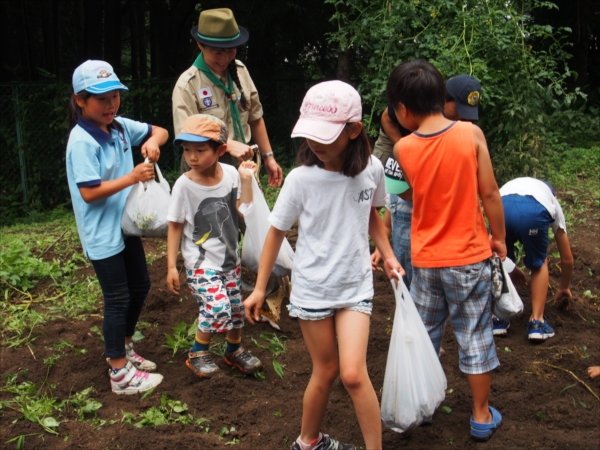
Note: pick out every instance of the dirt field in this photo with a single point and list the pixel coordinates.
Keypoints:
(543, 406)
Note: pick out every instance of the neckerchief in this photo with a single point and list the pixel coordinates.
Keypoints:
(229, 90)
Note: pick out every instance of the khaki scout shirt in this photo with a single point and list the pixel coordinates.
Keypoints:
(194, 93)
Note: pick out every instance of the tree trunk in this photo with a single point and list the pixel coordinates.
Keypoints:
(343, 66)
(142, 49)
(112, 34)
(134, 34)
(51, 36)
(93, 38)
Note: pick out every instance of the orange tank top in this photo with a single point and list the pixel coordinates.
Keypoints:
(447, 223)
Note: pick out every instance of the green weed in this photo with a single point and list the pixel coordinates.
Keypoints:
(169, 411)
(182, 336)
(275, 343)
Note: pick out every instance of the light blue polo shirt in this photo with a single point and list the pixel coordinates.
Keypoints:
(94, 156)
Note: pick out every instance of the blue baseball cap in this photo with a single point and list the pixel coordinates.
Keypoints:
(96, 77)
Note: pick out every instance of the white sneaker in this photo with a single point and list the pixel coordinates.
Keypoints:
(130, 380)
(139, 362)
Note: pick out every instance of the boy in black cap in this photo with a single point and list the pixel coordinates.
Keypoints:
(462, 98)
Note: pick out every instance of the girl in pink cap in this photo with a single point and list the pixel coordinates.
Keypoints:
(334, 196)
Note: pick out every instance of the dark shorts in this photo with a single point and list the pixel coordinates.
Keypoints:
(527, 221)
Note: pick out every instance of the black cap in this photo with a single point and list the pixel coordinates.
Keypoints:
(466, 92)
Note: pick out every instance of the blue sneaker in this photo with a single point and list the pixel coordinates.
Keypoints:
(501, 326)
(538, 330)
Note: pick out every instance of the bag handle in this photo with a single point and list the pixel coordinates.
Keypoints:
(400, 292)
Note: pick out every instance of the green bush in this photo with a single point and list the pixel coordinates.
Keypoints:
(526, 110)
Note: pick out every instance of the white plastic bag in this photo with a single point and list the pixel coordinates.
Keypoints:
(508, 303)
(256, 216)
(146, 208)
(415, 383)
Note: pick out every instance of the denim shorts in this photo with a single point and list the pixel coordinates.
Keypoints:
(365, 306)
(401, 213)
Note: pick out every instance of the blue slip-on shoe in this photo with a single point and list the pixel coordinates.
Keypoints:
(539, 331)
(484, 431)
(501, 326)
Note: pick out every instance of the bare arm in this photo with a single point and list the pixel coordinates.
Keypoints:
(260, 136)
(382, 242)
(389, 127)
(490, 194)
(173, 242)
(150, 149)
(387, 224)
(246, 170)
(566, 265)
(142, 172)
(268, 257)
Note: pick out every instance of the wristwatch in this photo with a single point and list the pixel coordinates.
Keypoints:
(266, 155)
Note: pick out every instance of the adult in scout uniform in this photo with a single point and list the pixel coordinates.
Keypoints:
(219, 85)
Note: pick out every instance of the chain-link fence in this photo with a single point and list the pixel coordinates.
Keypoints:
(34, 132)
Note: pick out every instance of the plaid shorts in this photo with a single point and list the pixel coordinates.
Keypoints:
(219, 298)
(464, 294)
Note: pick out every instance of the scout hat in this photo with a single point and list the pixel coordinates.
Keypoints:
(96, 77)
(327, 107)
(202, 128)
(466, 92)
(218, 28)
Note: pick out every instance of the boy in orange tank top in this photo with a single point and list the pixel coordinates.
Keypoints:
(448, 166)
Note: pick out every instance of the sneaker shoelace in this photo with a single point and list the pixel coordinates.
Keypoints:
(133, 377)
(207, 359)
(138, 377)
(134, 356)
(243, 355)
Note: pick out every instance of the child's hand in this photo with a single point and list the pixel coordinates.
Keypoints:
(173, 280)
(253, 305)
(150, 150)
(247, 175)
(391, 264)
(375, 260)
(143, 172)
(498, 246)
(563, 297)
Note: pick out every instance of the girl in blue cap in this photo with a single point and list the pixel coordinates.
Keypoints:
(101, 173)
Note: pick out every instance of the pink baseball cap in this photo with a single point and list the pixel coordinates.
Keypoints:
(327, 107)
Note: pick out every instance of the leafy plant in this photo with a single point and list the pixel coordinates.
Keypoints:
(20, 269)
(82, 403)
(526, 109)
(275, 343)
(169, 411)
(34, 405)
(182, 335)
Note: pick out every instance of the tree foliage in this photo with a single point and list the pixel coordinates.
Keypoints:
(522, 66)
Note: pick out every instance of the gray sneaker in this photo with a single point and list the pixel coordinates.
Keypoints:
(201, 363)
(326, 443)
(244, 361)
